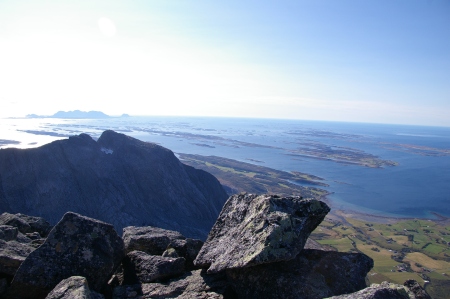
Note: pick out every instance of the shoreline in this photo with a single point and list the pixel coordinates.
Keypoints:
(364, 216)
(312, 187)
(377, 218)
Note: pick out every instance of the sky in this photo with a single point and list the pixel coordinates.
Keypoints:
(384, 61)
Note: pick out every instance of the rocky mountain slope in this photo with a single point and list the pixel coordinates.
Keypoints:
(258, 248)
(117, 179)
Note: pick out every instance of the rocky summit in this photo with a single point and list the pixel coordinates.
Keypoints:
(117, 179)
(85, 258)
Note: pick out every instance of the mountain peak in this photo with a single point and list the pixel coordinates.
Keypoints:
(117, 179)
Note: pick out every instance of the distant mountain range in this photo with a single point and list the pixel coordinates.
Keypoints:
(117, 179)
(76, 114)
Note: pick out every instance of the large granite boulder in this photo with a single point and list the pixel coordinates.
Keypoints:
(253, 230)
(312, 274)
(76, 246)
(386, 290)
(158, 241)
(74, 287)
(26, 224)
(140, 267)
(194, 284)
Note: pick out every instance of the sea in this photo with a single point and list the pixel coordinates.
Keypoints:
(410, 176)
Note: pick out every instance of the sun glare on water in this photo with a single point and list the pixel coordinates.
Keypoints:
(106, 27)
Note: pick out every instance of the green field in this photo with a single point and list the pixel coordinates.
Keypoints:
(409, 249)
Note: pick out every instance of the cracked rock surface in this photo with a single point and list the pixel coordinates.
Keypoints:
(253, 230)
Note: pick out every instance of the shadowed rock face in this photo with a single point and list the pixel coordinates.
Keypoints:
(152, 240)
(77, 245)
(253, 230)
(14, 245)
(8, 232)
(140, 267)
(12, 254)
(194, 284)
(158, 241)
(118, 179)
(312, 274)
(3, 286)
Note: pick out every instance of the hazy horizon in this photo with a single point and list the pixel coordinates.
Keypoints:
(350, 61)
(220, 117)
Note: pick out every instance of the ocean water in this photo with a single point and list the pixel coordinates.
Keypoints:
(418, 186)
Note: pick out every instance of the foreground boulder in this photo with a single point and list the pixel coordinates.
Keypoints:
(410, 290)
(149, 239)
(12, 255)
(312, 274)
(26, 224)
(158, 241)
(76, 246)
(140, 267)
(194, 284)
(253, 230)
(14, 245)
(258, 248)
(75, 287)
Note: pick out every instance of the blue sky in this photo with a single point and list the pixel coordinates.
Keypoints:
(361, 61)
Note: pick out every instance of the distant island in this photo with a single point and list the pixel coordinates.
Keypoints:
(80, 114)
(76, 114)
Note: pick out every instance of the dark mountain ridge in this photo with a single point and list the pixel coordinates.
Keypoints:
(117, 179)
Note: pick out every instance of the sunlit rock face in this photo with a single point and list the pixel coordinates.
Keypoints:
(117, 179)
(253, 230)
(74, 287)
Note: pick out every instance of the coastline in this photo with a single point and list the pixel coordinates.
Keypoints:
(204, 139)
(364, 216)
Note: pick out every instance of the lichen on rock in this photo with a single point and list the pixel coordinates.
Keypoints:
(253, 230)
